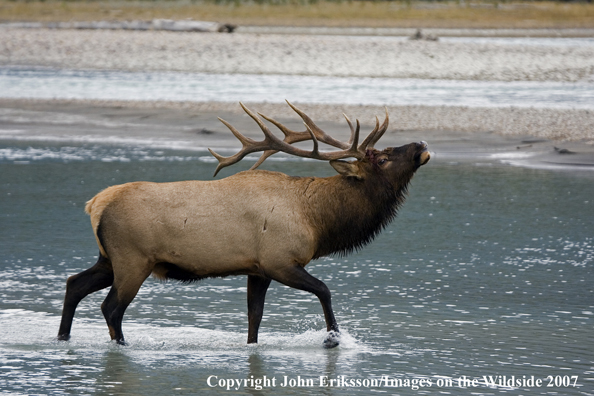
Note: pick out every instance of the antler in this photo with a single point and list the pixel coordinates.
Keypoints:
(271, 144)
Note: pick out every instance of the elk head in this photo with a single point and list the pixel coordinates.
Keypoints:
(392, 163)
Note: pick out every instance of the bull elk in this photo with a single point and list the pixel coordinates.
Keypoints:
(262, 224)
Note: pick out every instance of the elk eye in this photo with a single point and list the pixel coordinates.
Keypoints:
(382, 161)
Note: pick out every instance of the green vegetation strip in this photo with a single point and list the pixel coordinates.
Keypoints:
(424, 14)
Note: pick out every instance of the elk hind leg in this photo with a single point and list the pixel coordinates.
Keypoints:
(79, 286)
(256, 294)
(119, 297)
(298, 278)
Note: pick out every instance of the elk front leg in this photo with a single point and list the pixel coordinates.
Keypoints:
(298, 278)
(256, 293)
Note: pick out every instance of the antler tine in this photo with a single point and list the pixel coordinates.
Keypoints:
(290, 138)
(315, 150)
(352, 151)
(369, 138)
(320, 134)
(245, 150)
(268, 135)
(290, 135)
(355, 138)
(224, 161)
(381, 130)
(248, 145)
(245, 141)
(351, 127)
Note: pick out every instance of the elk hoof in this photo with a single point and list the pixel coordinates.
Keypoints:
(63, 337)
(332, 339)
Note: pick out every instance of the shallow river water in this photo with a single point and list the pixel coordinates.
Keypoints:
(483, 285)
(45, 83)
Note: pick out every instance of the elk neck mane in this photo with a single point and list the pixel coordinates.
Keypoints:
(349, 213)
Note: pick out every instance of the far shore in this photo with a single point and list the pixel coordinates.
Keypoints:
(195, 126)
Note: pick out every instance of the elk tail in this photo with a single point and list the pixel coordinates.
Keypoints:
(95, 207)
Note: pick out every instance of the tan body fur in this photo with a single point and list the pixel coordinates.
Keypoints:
(235, 225)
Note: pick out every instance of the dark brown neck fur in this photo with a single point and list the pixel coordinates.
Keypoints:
(349, 213)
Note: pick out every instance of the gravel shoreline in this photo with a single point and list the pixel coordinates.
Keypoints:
(563, 125)
(438, 32)
(323, 55)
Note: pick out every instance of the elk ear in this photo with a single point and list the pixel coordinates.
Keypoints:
(345, 168)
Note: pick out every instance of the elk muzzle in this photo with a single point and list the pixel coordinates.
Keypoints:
(423, 156)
